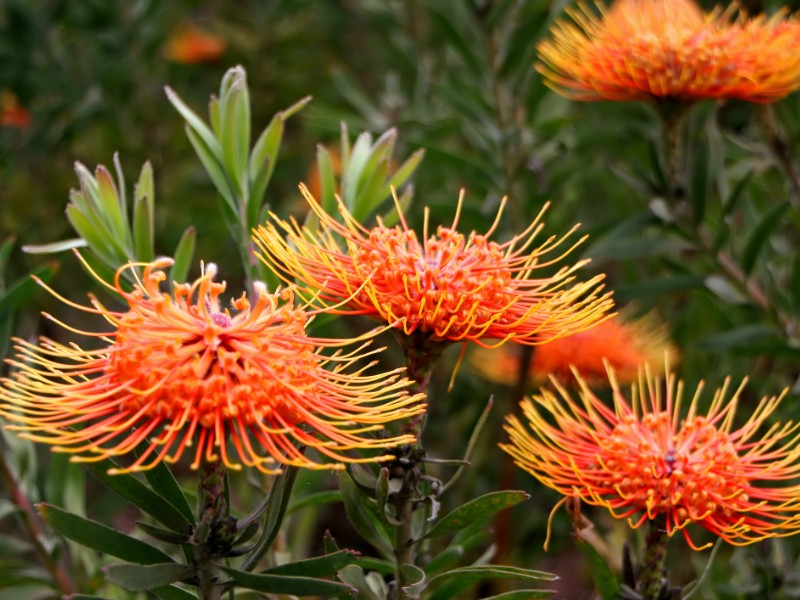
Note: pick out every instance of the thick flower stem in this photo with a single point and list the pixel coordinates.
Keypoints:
(672, 122)
(211, 512)
(653, 574)
(33, 525)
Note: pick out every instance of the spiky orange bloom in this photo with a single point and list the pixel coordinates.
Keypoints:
(449, 287)
(625, 345)
(670, 49)
(643, 461)
(190, 46)
(180, 370)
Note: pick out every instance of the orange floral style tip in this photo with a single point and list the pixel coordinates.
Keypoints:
(191, 46)
(247, 386)
(643, 461)
(448, 287)
(670, 49)
(622, 344)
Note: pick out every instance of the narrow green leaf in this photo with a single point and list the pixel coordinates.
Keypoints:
(354, 577)
(183, 256)
(213, 115)
(196, 124)
(283, 584)
(406, 170)
(106, 251)
(760, 234)
(373, 192)
(328, 543)
(19, 293)
(327, 180)
(279, 501)
(165, 535)
(320, 566)
(445, 559)
(139, 578)
(55, 247)
(161, 478)
(482, 572)
(144, 215)
(315, 499)
(100, 537)
(363, 514)
(352, 170)
(214, 168)
(414, 577)
(737, 193)
(522, 595)
(235, 129)
(129, 488)
(262, 164)
(110, 205)
(699, 181)
(473, 440)
(479, 509)
(602, 575)
(5, 253)
(173, 592)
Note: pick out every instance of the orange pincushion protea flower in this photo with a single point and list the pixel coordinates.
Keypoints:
(624, 345)
(180, 370)
(670, 49)
(449, 287)
(642, 461)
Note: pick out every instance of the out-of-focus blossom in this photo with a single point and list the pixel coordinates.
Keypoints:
(244, 386)
(12, 114)
(190, 45)
(623, 344)
(645, 459)
(670, 49)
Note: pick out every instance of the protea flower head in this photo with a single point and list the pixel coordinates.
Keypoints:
(644, 459)
(449, 286)
(244, 385)
(671, 50)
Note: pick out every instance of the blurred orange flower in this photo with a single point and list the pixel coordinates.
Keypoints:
(670, 49)
(181, 371)
(191, 46)
(642, 461)
(623, 344)
(11, 113)
(449, 287)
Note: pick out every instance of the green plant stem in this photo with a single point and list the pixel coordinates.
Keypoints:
(672, 123)
(33, 525)
(653, 574)
(211, 509)
(420, 356)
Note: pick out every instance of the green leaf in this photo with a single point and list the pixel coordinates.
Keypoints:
(165, 535)
(144, 215)
(446, 558)
(183, 256)
(320, 566)
(100, 537)
(283, 584)
(738, 337)
(195, 124)
(161, 478)
(111, 209)
(465, 576)
(760, 234)
(406, 170)
(363, 514)
(479, 509)
(173, 592)
(21, 291)
(602, 575)
(327, 180)
(522, 595)
(55, 247)
(278, 502)
(315, 499)
(263, 159)
(140, 578)
(235, 127)
(129, 488)
(736, 193)
(473, 440)
(352, 170)
(214, 168)
(354, 577)
(414, 578)
(95, 238)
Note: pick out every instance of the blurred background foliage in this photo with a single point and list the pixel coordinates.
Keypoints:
(80, 81)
